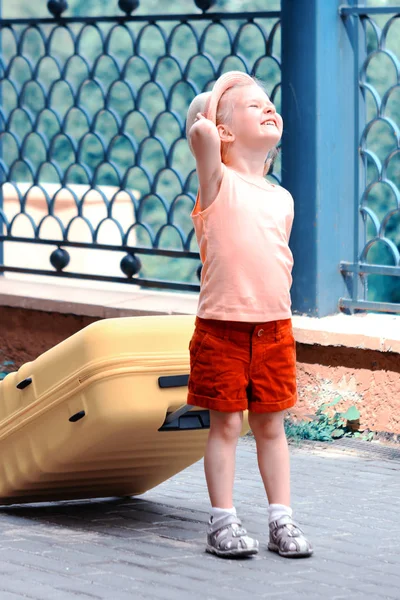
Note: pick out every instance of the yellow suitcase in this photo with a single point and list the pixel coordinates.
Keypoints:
(102, 414)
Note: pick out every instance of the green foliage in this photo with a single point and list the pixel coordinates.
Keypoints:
(5, 368)
(352, 414)
(306, 430)
(327, 425)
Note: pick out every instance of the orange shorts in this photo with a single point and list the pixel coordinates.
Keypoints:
(237, 366)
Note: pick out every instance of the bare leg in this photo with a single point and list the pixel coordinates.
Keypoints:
(219, 459)
(273, 461)
(272, 455)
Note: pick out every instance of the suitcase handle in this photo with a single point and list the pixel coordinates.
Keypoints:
(169, 381)
(24, 383)
(77, 416)
(182, 410)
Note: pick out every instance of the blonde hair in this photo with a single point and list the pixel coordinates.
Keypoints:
(224, 115)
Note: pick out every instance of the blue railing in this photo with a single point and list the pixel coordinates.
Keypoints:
(97, 181)
(373, 277)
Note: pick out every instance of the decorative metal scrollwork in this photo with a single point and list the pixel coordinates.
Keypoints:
(130, 265)
(128, 6)
(57, 7)
(380, 143)
(59, 259)
(92, 133)
(204, 5)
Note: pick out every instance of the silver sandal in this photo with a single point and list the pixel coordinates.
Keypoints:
(287, 539)
(226, 538)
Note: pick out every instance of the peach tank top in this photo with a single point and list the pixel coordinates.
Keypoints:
(243, 240)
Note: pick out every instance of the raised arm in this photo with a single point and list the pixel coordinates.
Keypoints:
(206, 145)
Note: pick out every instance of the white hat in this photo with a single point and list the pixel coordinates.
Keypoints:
(207, 102)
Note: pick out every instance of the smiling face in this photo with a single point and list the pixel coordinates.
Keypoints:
(246, 116)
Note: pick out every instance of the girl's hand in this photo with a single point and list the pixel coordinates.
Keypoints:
(204, 135)
(202, 125)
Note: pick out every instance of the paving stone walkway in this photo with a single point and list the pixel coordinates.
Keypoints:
(152, 547)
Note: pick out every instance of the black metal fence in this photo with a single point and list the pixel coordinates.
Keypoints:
(374, 273)
(97, 181)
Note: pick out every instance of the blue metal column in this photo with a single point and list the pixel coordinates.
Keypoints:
(318, 165)
(2, 225)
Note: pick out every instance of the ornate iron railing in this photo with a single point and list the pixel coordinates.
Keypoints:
(374, 275)
(96, 178)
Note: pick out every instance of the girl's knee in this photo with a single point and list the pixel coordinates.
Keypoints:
(267, 425)
(226, 425)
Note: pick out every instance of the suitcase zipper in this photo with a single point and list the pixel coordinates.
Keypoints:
(140, 365)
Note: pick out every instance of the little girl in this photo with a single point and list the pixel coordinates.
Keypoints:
(242, 353)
